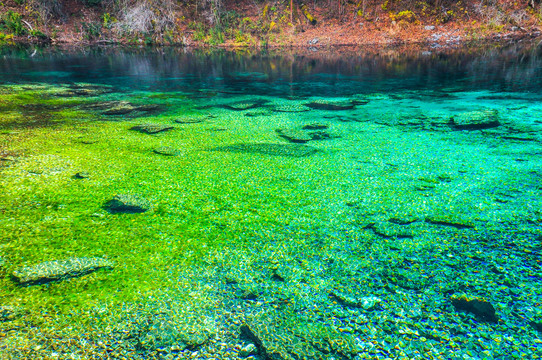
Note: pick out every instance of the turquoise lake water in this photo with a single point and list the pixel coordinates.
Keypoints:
(164, 203)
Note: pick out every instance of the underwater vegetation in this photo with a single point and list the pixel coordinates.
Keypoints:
(158, 223)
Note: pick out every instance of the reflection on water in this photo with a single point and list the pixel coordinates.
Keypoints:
(327, 73)
(368, 204)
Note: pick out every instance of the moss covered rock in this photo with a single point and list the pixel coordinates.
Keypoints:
(167, 151)
(293, 150)
(475, 120)
(59, 270)
(151, 128)
(330, 106)
(128, 204)
(450, 220)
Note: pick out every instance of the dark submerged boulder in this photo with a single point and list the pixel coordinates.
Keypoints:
(127, 204)
(482, 308)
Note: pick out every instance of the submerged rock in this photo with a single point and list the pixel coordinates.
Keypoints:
(190, 120)
(294, 136)
(59, 270)
(127, 204)
(81, 175)
(120, 109)
(247, 293)
(241, 106)
(367, 303)
(260, 339)
(537, 325)
(291, 108)
(475, 120)
(479, 307)
(301, 137)
(257, 113)
(216, 129)
(520, 137)
(9, 313)
(148, 107)
(7, 158)
(324, 105)
(403, 219)
(315, 126)
(193, 340)
(248, 350)
(167, 151)
(113, 108)
(151, 128)
(319, 135)
(391, 230)
(292, 150)
(87, 90)
(445, 220)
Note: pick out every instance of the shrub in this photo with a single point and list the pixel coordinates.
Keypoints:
(199, 32)
(407, 16)
(38, 34)
(13, 22)
(216, 36)
(108, 20)
(240, 37)
(91, 30)
(5, 38)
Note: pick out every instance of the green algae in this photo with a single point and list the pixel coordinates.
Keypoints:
(351, 216)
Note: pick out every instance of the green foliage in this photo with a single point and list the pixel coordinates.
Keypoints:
(385, 5)
(91, 30)
(229, 19)
(38, 34)
(247, 25)
(406, 15)
(107, 20)
(148, 39)
(241, 38)
(13, 22)
(199, 31)
(4, 38)
(169, 37)
(20, 2)
(216, 36)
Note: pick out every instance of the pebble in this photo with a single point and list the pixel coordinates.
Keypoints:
(248, 350)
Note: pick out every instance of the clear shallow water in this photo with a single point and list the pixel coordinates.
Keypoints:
(314, 205)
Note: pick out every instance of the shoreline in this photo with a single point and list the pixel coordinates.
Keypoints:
(319, 46)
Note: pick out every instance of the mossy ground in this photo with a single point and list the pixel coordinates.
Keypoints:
(395, 205)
